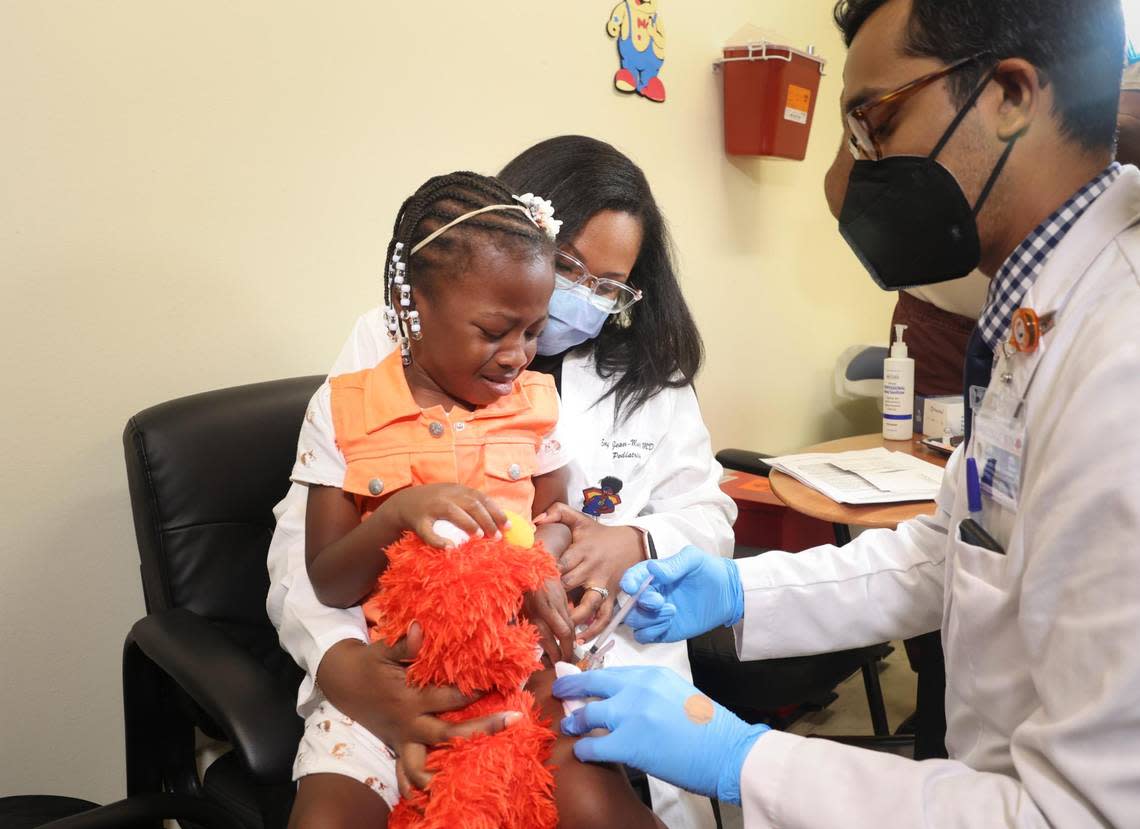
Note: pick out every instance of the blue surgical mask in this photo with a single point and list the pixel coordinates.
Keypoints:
(573, 321)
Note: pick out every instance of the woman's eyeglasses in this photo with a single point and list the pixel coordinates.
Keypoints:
(864, 140)
(607, 295)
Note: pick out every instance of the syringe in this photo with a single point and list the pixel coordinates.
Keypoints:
(597, 650)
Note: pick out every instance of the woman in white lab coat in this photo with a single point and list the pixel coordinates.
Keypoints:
(642, 458)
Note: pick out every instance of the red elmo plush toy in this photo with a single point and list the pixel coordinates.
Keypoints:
(468, 599)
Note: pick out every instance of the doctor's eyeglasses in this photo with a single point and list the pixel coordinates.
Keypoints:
(864, 143)
(607, 295)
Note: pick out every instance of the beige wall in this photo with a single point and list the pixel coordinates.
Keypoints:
(198, 194)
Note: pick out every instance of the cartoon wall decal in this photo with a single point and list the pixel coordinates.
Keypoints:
(641, 48)
(604, 499)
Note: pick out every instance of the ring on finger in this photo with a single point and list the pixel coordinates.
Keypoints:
(601, 591)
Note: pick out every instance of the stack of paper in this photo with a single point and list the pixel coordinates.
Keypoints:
(869, 476)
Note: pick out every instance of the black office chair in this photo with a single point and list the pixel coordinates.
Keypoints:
(758, 691)
(205, 472)
(142, 811)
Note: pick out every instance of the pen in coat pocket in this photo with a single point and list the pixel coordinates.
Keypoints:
(971, 530)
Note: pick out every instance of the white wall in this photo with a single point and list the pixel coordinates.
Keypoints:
(197, 195)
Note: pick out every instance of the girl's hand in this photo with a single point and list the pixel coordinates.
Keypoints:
(597, 557)
(549, 611)
(417, 508)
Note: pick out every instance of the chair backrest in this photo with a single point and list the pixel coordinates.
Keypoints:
(859, 372)
(204, 473)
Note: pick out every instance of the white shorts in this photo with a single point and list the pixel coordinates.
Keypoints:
(334, 744)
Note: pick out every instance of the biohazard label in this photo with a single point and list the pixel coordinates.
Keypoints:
(798, 105)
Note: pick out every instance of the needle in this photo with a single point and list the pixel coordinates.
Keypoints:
(618, 618)
(595, 661)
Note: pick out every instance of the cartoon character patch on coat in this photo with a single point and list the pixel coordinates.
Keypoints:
(641, 47)
(602, 500)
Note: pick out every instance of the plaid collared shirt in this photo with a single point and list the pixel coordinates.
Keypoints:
(1028, 259)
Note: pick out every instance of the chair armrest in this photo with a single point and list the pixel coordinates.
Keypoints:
(258, 715)
(743, 460)
(149, 811)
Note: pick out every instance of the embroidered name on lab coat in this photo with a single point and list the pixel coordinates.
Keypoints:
(631, 448)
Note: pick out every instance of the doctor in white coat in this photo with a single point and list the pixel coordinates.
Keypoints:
(1034, 580)
(642, 458)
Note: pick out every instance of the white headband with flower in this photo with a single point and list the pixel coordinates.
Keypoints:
(537, 209)
(541, 212)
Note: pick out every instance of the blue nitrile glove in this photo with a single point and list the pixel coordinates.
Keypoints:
(692, 592)
(661, 724)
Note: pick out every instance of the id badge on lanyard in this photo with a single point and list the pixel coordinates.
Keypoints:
(999, 434)
(998, 445)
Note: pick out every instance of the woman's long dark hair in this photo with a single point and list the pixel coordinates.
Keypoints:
(660, 346)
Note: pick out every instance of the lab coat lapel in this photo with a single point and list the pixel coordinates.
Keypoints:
(1109, 216)
(1114, 212)
(581, 387)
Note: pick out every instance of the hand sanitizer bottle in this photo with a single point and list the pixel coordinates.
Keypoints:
(898, 391)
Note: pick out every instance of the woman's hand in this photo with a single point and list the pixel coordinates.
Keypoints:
(598, 555)
(549, 611)
(368, 684)
(417, 508)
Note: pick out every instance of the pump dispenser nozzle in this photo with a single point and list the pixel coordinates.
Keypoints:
(899, 348)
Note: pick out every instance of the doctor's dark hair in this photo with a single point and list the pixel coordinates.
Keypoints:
(1076, 45)
(657, 346)
(443, 199)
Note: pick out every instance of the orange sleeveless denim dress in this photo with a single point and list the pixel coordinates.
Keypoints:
(390, 443)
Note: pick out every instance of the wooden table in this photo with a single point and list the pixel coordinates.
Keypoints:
(764, 522)
(805, 500)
